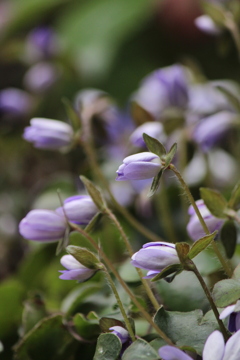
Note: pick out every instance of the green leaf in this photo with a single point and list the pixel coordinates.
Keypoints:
(215, 11)
(214, 201)
(226, 292)
(140, 350)
(63, 243)
(93, 223)
(186, 328)
(87, 329)
(170, 155)
(229, 237)
(94, 193)
(72, 114)
(201, 245)
(139, 114)
(236, 273)
(155, 183)
(85, 257)
(34, 311)
(175, 268)
(48, 337)
(105, 323)
(234, 201)
(230, 95)
(182, 251)
(154, 145)
(108, 347)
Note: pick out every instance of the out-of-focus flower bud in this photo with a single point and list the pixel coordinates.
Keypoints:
(75, 270)
(140, 166)
(167, 87)
(234, 317)
(121, 333)
(41, 77)
(207, 25)
(42, 43)
(194, 227)
(155, 256)
(78, 209)
(151, 128)
(43, 225)
(15, 102)
(48, 134)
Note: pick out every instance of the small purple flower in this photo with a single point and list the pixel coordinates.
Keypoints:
(15, 102)
(207, 25)
(155, 256)
(120, 332)
(214, 349)
(167, 87)
(234, 318)
(43, 225)
(40, 77)
(152, 128)
(79, 209)
(194, 227)
(48, 134)
(42, 43)
(211, 129)
(140, 166)
(75, 270)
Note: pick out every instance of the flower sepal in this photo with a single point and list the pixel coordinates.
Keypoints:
(172, 270)
(85, 257)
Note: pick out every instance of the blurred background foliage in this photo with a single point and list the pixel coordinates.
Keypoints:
(104, 44)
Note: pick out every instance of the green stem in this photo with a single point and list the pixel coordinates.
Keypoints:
(130, 251)
(182, 150)
(120, 304)
(191, 199)
(124, 285)
(233, 28)
(210, 299)
(165, 215)
(233, 215)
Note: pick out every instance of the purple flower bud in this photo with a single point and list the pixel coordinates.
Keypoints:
(79, 209)
(41, 43)
(48, 134)
(41, 77)
(167, 87)
(207, 25)
(15, 102)
(75, 270)
(194, 227)
(120, 332)
(213, 128)
(234, 317)
(155, 256)
(151, 128)
(43, 225)
(214, 349)
(140, 166)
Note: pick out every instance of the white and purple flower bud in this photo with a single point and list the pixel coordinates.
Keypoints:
(15, 102)
(207, 25)
(155, 256)
(167, 87)
(234, 317)
(43, 226)
(40, 77)
(121, 333)
(79, 209)
(48, 134)
(152, 128)
(214, 349)
(75, 270)
(194, 227)
(211, 129)
(140, 166)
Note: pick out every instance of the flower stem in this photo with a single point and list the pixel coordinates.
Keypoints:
(191, 199)
(123, 284)
(86, 142)
(210, 299)
(120, 304)
(233, 28)
(130, 251)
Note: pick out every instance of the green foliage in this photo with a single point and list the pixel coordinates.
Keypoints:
(141, 350)
(108, 347)
(226, 292)
(154, 146)
(229, 237)
(95, 194)
(214, 201)
(201, 245)
(191, 328)
(85, 257)
(88, 329)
